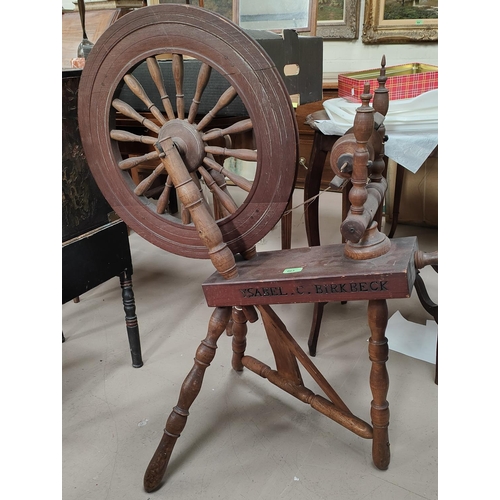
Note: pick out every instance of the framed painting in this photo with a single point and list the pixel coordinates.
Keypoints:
(276, 15)
(400, 21)
(338, 19)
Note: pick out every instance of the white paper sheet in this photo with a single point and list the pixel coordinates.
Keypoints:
(412, 339)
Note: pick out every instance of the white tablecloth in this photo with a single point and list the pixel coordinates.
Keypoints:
(411, 125)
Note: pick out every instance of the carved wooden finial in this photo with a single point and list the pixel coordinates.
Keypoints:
(381, 99)
(363, 121)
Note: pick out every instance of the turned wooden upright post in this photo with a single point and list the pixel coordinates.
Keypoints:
(365, 242)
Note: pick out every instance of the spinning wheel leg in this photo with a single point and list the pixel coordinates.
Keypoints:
(189, 391)
(239, 337)
(379, 382)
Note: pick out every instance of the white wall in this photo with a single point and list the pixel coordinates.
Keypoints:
(346, 56)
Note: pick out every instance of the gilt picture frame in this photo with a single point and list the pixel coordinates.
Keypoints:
(377, 28)
(338, 27)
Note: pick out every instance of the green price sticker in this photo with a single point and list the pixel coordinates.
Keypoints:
(292, 270)
(418, 22)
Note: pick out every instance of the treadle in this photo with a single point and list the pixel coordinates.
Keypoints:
(316, 274)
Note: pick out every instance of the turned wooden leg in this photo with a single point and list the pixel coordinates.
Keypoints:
(131, 318)
(400, 174)
(286, 227)
(239, 337)
(312, 185)
(189, 390)
(379, 382)
(315, 327)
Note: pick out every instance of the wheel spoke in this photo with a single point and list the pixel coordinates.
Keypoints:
(156, 75)
(203, 78)
(134, 85)
(224, 100)
(178, 70)
(185, 215)
(221, 182)
(241, 154)
(124, 136)
(129, 111)
(236, 128)
(226, 201)
(196, 180)
(162, 204)
(238, 180)
(137, 160)
(146, 183)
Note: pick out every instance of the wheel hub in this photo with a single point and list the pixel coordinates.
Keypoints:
(188, 141)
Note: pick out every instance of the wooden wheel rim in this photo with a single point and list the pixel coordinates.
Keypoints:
(216, 41)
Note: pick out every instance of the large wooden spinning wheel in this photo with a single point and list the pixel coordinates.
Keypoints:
(247, 209)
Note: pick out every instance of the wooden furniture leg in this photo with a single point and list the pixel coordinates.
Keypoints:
(379, 382)
(315, 327)
(322, 144)
(286, 227)
(400, 175)
(189, 391)
(239, 342)
(131, 318)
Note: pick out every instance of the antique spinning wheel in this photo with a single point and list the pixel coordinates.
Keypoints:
(187, 33)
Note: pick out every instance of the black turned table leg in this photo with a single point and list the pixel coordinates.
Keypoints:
(131, 318)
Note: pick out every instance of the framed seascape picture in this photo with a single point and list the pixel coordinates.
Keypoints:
(400, 21)
(338, 19)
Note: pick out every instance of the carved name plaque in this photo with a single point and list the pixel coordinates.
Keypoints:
(319, 274)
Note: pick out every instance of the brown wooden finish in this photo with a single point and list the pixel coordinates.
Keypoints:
(189, 391)
(187, 31)
(189, 194)
(326, 275)
(365, 268)
(379, 382)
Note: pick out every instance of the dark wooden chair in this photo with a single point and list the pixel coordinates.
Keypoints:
(94, 248)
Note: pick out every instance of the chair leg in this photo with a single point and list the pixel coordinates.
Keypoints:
(424, 298)
(131, 318)
(189, 391)
(430, 306)
(400, 174)
(315, 327)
